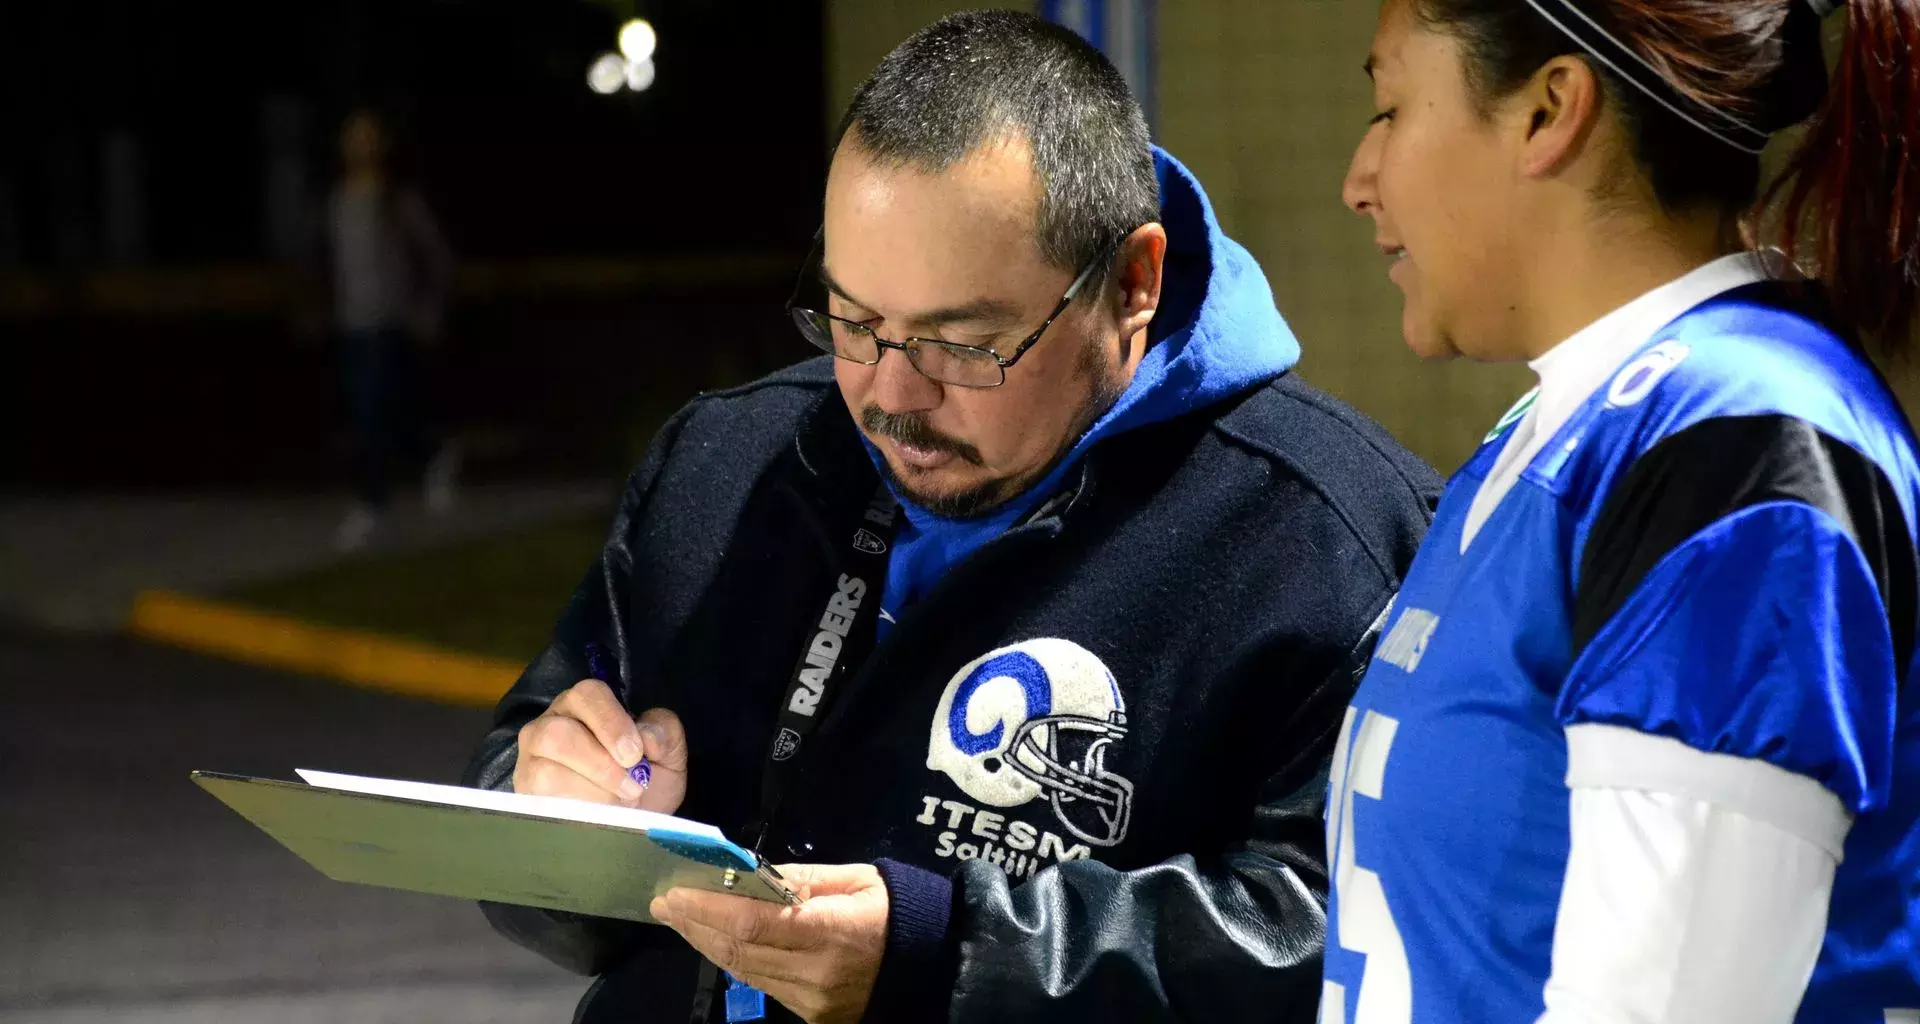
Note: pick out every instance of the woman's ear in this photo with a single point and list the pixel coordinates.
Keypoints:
(1555, 115)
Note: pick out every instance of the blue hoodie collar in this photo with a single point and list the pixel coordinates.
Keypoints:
(1215, 335)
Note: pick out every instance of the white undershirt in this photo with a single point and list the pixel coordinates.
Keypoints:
(1697, 884)
(1573, 370)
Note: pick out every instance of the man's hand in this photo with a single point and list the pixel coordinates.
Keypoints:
(585, 742)
(819, 959)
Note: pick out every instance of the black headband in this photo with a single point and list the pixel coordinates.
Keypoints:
(1795, 93)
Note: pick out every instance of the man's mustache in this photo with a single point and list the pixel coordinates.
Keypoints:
(910, 429)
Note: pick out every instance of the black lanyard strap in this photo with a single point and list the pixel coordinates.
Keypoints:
(835, 644)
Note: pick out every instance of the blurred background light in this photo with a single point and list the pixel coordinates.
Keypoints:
(639, 75)
(637, 41)
(608, 74)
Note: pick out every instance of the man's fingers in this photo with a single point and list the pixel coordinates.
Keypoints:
(813, 880)
(566, 741)
(818, 960)
(797, 875)
(665, 737)
(753, 922)
(720, 938)
(779, 973)
(594, 706)
(540, 776)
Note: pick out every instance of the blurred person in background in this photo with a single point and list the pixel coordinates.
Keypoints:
(1642, 743)
(1022, 620)
(387, 275)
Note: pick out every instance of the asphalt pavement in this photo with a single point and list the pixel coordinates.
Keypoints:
(73, 563)
(128, 894)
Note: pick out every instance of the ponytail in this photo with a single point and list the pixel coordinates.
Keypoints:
(1852, 210)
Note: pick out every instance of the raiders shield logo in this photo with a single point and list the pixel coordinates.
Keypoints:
(785, 744)
(868, 541)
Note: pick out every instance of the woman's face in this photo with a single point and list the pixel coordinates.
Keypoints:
(1440, 185)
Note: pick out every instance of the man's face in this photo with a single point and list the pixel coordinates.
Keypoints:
(953, 256)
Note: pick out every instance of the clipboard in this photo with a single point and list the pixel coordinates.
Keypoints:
(548, 852)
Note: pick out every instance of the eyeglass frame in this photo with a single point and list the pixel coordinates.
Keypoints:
(881, 345)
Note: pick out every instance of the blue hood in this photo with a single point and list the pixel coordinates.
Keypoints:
(1216, 334)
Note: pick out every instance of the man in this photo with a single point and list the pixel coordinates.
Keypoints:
(1048, 739)
(388, 274)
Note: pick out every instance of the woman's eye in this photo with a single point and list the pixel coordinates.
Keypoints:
(1384, 115)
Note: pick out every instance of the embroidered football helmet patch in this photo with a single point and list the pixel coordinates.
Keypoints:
(1038, 719)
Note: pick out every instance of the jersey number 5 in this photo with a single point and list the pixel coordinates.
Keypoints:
(1364, 920)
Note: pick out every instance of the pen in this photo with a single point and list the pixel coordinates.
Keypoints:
(641, 773)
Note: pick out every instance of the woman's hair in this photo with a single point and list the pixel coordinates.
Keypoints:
(1847, 204)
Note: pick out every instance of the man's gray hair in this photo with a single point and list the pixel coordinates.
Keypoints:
(979, 76)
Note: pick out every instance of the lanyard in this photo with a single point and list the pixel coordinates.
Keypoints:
(835, 644)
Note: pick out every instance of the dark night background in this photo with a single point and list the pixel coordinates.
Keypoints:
(611, 247)
(172, 420)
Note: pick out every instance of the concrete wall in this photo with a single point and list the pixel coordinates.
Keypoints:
(1265, 101)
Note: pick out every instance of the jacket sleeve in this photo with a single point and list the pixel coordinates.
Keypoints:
(1229, 935)
(596, 614)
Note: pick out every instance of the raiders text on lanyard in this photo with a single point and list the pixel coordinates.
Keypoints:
(825, 649)
(846, 629)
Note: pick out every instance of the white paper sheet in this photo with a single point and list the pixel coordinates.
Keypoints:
(559, 808)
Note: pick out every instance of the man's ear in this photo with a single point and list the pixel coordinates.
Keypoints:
(1139, 267)
(1555, 114)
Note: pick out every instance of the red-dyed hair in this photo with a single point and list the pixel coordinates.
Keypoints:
(1852, 191)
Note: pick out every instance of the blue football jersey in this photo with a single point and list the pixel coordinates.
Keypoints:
(1717, 547)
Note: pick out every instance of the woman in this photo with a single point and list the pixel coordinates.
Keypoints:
(1641, 742)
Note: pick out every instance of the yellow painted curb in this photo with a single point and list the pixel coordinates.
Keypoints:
(368, 660)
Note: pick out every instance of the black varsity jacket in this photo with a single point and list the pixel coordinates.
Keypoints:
(1206, 588)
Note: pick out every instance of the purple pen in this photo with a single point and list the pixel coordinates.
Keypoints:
(641, 773)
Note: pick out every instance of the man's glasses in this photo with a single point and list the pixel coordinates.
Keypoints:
(967, 366)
